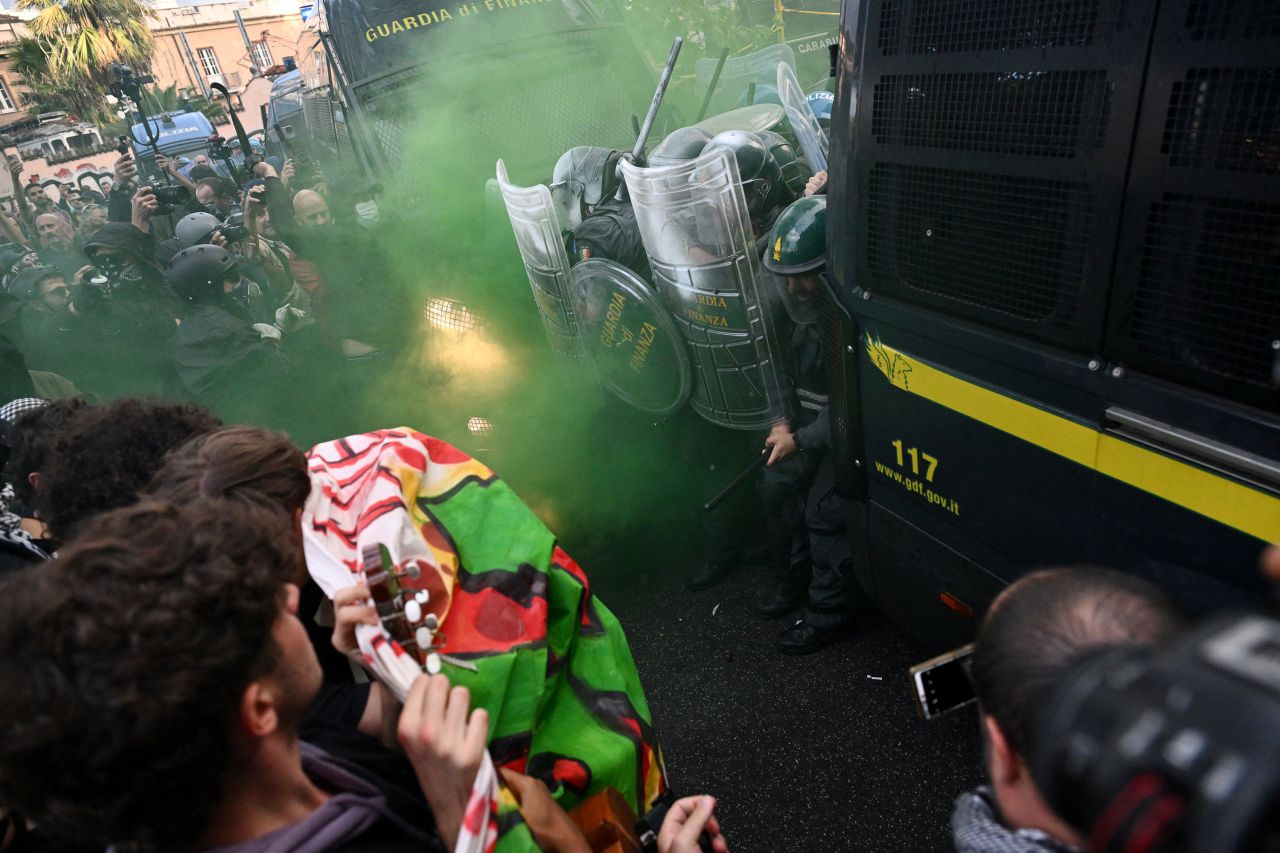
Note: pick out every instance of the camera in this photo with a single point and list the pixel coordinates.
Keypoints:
(170, 197)
(304, 169)
(122, 145)
(95, 288)
(126, 83)
(219, 149)
(233, 228)
(1171, 750)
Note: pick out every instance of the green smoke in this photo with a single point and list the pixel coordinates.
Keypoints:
(508, 80)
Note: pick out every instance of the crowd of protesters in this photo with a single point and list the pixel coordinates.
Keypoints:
(219, 300)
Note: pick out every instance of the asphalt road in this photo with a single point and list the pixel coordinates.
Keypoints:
(822, 752)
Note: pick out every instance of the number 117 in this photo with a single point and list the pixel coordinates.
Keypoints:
(931, 463)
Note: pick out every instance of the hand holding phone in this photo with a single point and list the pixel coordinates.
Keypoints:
(942, 684)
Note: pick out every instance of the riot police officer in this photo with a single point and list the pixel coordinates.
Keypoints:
(583, 177)
(810, 554)
(763, 185)
(221, 356)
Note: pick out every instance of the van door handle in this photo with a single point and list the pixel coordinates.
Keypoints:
(1181, 442)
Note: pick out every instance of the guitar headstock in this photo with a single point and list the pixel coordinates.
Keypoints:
(403, 611)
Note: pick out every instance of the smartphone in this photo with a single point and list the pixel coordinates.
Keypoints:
(943, 684)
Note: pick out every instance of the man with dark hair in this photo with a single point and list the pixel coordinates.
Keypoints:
(218, 195)
(34, 434)
(153, 689)
(1035, 630)
(107, 455)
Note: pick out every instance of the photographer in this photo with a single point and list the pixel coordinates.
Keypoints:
(261, 245)
(218, 196)
(1035, 630)
(170, 168)
(120, 193)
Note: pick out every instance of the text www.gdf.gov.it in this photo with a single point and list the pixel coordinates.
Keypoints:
(918, 487)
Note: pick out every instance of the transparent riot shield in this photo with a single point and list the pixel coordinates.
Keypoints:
(633, 345)
(757, 118)
(810, 135)
(694, 223)
(739, 73)
(537, 230)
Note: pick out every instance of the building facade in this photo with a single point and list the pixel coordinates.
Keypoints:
(196, 45)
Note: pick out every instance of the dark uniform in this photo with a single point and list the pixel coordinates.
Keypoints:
(811, 556)
(218, 355)
(123, 329)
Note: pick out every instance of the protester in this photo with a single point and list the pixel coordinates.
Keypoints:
(57, 243)
(92, 218)
(1031, 635)
(126, 315)
(193, 609)
(105, 456)
(35, 434)
(48, 327)
(20, 544)
(74, 202)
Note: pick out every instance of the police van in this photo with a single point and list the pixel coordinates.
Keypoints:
(1055, 228)
(547, 76)
(177, 134)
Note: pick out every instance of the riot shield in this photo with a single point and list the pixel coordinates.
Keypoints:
(754, 118)
(694, 223)
(629, 337)
(810, 135)
(537, 230)
(739, 73)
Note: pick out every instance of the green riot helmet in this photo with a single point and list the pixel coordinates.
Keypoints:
(680, 146)
(760, 174)
(797, 251)
(795, 174)
(583, 177)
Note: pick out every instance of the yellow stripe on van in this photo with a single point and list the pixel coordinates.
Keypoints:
(1214, 496)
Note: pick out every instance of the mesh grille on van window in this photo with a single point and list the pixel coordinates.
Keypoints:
(1225, 118)
(1207, 296)
(1223, 19)
(1034, 113)
(1016, 246)
(958, 26)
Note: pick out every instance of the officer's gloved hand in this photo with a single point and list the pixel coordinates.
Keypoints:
(268, 331)
(289, 318)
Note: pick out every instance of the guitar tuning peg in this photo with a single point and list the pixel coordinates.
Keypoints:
(433, 664)
(413, 611)
(423, 638)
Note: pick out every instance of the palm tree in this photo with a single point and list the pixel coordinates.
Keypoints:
(82, 98)
(67, 65)
(87, 36)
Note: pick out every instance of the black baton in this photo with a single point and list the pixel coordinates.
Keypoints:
(756, 465)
